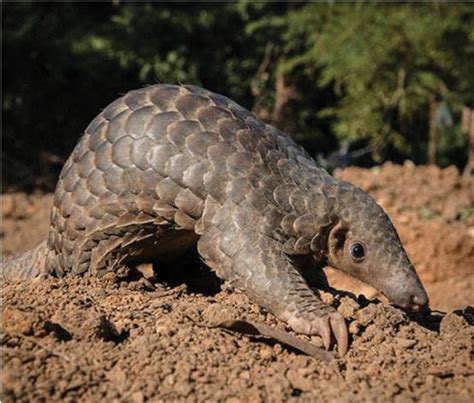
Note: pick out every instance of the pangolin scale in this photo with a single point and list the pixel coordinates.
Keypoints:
(165, 167)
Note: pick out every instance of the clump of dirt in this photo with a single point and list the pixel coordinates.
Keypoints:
(92, 339)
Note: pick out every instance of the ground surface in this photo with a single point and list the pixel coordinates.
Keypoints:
(118, 340)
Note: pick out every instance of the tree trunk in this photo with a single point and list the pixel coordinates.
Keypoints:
(285, 91)
(468, 129)
(433, 133)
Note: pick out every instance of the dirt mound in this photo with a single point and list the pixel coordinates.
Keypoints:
(95, 339)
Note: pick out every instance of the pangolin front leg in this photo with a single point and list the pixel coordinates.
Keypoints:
(255, 264)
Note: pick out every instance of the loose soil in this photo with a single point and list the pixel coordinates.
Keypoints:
(122, 339)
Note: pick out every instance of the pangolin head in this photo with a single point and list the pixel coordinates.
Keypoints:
(364, 244)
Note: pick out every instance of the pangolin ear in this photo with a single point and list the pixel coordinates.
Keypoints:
(338, 235)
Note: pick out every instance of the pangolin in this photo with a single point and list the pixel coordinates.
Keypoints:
(166, 167)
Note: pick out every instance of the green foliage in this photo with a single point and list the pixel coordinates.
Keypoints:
(385, 65)
(359, 72)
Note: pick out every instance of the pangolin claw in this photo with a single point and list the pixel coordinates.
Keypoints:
(339, 328)
(326, 325)
(325, 332)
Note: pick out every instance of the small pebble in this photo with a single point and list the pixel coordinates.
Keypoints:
(406, 343)
(266, 353)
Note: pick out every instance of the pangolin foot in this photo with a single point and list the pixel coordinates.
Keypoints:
(323, 325)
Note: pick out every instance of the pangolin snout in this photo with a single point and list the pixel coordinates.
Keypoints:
(416, 301)
(420, 301)
(406, 291)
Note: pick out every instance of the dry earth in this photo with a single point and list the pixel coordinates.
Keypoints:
(116, 339)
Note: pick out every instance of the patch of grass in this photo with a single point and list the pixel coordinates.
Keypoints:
(465, 213)
(426, 213)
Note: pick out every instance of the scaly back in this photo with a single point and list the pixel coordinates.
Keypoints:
(151, 161)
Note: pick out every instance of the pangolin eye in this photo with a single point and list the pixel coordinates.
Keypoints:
(357, 251)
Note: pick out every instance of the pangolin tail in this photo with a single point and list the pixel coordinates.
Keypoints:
(25, 265)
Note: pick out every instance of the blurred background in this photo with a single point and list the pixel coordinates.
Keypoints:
(356, 84)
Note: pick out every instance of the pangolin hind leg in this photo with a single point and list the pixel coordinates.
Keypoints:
(157, 254)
